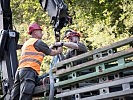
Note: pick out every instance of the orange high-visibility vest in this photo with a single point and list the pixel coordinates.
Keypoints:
(30, 57)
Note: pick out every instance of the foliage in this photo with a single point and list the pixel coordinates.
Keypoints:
(100, 22)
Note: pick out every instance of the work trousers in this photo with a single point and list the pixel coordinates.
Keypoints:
(24, 84)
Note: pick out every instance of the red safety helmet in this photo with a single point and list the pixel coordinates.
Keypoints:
(32, 27)
(71, 33)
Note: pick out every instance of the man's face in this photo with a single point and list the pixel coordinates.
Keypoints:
(74, 39)
(38, 34)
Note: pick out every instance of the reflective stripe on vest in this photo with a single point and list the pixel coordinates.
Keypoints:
(30, 57)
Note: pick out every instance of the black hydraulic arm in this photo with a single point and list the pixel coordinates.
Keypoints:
(7, 14)
(8, 46)
(58, 12)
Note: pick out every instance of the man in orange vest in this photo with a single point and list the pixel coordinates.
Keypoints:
(33, 52)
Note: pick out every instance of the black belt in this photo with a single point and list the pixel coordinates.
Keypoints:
(27, 69)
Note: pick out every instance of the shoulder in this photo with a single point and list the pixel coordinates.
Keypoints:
(40, 42)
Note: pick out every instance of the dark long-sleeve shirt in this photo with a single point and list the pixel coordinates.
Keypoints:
(42, 47)
(73, 52)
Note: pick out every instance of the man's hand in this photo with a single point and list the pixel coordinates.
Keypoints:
(60, 50)
(59, 44)
(56, 51)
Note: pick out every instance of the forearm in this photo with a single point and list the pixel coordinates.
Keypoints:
(71, 45)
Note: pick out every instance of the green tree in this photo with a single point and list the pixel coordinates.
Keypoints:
(100, 22)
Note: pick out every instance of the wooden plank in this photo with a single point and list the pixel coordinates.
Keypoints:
(94, 62)
(96, 87)
(110, 95)
(92, 75)
(90, 53)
